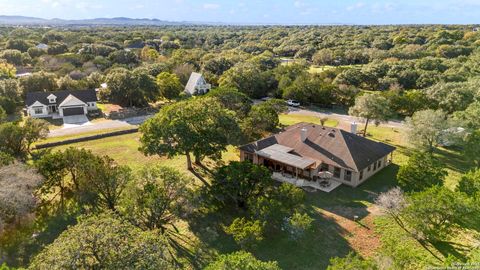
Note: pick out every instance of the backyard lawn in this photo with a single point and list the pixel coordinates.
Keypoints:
(80, 135)
(335, 233)
(124, 150)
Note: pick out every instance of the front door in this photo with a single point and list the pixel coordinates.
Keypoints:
(52, 108)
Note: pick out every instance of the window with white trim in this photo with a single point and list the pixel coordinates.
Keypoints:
(38, 110)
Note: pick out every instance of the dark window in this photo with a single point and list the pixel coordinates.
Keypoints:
(336, 172)
(379, 164)
(374, 166)
(369, 168)
(361, 174)
(249, 157)
(324, 167)
(347, 176)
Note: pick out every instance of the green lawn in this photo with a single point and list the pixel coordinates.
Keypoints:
(124, 150)
(290, 119)
(80, 135)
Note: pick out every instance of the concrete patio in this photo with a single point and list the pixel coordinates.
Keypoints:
(285, 178)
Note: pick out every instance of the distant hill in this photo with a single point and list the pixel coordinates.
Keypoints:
(22, 20)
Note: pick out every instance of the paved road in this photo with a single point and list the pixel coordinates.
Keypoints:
(98, 126)
(133, 122)
(343, 118)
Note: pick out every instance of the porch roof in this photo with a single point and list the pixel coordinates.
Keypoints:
(280, 153)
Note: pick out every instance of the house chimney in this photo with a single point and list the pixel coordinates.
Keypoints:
(353, 128)
(303, 134)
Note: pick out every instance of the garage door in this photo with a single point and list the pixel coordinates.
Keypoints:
(73, 111)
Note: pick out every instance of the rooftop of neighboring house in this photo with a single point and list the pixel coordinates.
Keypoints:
(323, 144)
(195, 79)
(42, 97)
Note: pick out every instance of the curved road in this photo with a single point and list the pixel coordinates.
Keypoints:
(134, 122)
(343, 118)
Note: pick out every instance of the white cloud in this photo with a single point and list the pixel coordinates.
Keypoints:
(356, 6)
(299, 4)
(211, 6)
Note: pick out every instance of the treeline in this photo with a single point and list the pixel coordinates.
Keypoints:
(393, 59)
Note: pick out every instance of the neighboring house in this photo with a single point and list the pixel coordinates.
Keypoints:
(197, 85)
(26, 74)
(42, 46)
(60, 103)
(305, 151)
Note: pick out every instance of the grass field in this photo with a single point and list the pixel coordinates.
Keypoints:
(80, 135)
(319, 69)
(290, 119)
(124, 150)
(335, 232)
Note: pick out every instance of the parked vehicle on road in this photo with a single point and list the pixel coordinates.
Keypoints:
(293, 103)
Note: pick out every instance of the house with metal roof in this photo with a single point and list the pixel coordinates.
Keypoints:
(197, 85)
(60, 103)
(309, 154)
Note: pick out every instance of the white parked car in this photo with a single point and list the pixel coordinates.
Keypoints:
(293, 103)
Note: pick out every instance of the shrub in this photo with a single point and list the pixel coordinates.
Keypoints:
(246, 233)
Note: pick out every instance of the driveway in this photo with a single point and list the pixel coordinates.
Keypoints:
(75, 121)
(73, 129)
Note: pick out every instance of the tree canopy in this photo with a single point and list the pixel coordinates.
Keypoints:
(371, 107)
(202, 127)
(105, 242)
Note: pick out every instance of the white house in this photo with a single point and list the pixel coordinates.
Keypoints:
(42, 46)
(61, 103)
(197, 85)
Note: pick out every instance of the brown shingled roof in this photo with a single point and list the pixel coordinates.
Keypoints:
(330, 145)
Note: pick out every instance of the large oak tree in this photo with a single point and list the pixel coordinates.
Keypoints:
(200, 126)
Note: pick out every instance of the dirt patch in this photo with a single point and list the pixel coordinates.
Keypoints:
(109, 108)
(359, 234)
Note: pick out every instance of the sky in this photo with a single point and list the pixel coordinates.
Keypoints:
(257, 11)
